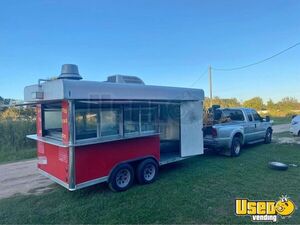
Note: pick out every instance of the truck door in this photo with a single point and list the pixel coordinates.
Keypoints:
(191, 123)
(259, 129)
(249, 127)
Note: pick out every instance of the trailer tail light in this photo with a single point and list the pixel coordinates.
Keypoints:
(214, 132)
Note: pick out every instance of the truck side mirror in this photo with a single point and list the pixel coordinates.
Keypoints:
(268, 119)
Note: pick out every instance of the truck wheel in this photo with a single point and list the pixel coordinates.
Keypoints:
(278, 166)
(121, 178)
(147, 171)
(268, 137)
(236, 147)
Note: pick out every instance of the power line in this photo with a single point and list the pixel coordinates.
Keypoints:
(258, 62)
(199, 78)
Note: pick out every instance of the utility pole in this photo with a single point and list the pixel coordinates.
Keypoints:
(210, 85)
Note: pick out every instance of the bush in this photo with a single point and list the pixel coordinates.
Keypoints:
(13, 135)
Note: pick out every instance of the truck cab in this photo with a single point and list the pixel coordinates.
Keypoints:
(231, 128)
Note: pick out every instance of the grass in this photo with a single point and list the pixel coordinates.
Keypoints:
(197, 190)
(11, 156)
(281, 120)
(14, 145)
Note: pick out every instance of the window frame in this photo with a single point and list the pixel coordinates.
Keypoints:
(121, 110)
(249, 113)
(134, 133)
(149, 108)
(254, 112)
(120, 119)
(43, 117)
(75, 125)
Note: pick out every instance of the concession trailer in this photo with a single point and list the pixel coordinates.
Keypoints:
(113, 131)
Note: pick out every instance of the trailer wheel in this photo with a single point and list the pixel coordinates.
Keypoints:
(121, 178)
(236, 146)
(147, 171)
(268, 137)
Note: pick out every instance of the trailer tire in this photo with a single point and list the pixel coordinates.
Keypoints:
(147, 171)
(236, 146)
(121, 178)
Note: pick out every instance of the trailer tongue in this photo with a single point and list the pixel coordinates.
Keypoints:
(90, 132)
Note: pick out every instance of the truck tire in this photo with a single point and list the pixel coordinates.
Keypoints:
(147, 171)
(268, 137)
(121, 178)
(236, 146)
(278, 166)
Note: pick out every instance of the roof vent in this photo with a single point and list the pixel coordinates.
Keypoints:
(124, 79)
(70, 71)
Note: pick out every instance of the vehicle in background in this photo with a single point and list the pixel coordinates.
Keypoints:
(228, 129)
(295, 126)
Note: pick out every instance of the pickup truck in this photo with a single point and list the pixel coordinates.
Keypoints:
(234, 127)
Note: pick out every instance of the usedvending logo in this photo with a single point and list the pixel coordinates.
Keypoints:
(267, 211)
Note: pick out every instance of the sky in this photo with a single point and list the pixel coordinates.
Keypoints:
(164, 42)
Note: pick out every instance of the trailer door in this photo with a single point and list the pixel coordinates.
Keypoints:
(191, 123)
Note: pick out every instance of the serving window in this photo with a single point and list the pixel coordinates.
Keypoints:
(52, 121)
(149, 121)
(86, 123)
(131, 120)
(114, 122)
(109, 122)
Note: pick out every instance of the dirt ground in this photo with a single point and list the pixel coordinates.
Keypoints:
(284, 140)
(288, 140)
(281, 128)
(23, 178)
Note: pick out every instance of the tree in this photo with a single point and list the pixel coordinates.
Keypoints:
(27, 113)
(271, 105)
(288, 104)
(230, 102)
(224, 103)
(255, 103)
(10, 114)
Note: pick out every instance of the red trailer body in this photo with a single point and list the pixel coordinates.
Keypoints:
(97, 161)
(92, 132)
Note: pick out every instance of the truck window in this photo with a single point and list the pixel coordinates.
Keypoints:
(249, 115)
(86, 123)
(109, 122)
(52, 121)
(233, 114)
(256, 116)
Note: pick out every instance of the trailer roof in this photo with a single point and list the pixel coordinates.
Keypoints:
(94, 90)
